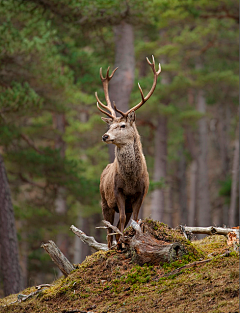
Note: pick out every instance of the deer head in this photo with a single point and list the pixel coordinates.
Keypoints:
(122, 129)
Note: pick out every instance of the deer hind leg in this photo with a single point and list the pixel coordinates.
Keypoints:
(108, 215)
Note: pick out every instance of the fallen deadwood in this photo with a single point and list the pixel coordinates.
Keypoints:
(22, 297)
(211, 230)
(144, 248)
(58, 257)
(232, 234)
(89, 240)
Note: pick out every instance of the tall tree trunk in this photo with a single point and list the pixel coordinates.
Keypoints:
(160, 161)
(96, 221)
(24, 251)
(160, 168)
(192, 148)
(122, 83)
(168, 204)
(204, 211)
(182, 188)
(81, 250)
(62, 239)
(223, 131)
(234, 190)
(192, 194)
(10, 267)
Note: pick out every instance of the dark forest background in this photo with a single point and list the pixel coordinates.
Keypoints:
(51, 153)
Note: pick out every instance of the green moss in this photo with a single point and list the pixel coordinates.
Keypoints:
(186, 259)
(110, 279)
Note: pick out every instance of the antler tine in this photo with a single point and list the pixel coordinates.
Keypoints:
(144, 99)
(113, 73)
(153, 65)
(117, 110)
(141, 92)
(100, 102)
(105, 81)
(108, 114)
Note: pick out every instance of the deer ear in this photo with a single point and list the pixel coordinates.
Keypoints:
(131, 117)
(107, 120)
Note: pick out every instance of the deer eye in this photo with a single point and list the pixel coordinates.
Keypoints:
(122, 126)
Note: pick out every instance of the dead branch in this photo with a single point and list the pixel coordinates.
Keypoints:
(89, 240)
(58, 257)
(211, 230)
(113, 227)
(30, 143)
(136, 225)
(22, 297)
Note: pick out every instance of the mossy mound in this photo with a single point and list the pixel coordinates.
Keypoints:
(110, 282)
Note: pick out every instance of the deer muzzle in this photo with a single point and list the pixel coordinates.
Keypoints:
(105, 137)
(108, 138)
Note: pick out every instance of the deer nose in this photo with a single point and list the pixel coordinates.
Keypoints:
(105, 137)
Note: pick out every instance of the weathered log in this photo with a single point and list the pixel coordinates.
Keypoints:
(58, 257)
(144, 248)
(211, 230)
(89, 240)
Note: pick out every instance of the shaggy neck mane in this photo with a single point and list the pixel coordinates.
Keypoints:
(130, 158)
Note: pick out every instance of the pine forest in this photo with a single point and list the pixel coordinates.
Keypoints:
(51, 149)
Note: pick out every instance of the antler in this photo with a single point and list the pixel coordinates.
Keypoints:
(144, 99)
(105, 81)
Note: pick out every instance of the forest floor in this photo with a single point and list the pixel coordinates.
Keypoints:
(110, 282)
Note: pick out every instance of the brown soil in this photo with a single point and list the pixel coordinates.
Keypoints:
(110, 282)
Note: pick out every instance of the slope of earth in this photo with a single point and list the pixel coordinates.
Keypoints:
(110, 282)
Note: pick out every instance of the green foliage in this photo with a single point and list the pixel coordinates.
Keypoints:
(50, 55)
(225, 189)
(160, 184)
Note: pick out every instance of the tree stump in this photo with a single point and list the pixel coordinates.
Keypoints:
(145, 249)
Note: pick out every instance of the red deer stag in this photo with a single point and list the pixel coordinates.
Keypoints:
(124, 183)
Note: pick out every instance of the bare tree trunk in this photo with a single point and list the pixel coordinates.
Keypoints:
(62, 239)
(81, 250)
(160, 160)
(96, 221)
(223, 139)
(168, 211)
(204, 210)
(183, 188)
(234, 190)
(193, 189)
(24, 250)
(10, 266)
(160, 168)
(223, 129)
(121, 85)
(191, 144)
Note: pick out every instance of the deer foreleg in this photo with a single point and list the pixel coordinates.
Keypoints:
(128, 216)
(122, 215)
(136, 207)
